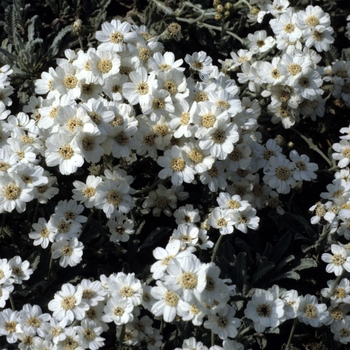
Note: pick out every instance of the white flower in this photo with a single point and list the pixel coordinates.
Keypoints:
(244, 219)
(162, 199)
(200, 62)
(92, 292)
(342, 154)
(186, 214)
(103, 63)
(187, 277)
(341, 293)
(279, 174)
(41, 234)
(127, 287)
(34, 321)
(337, 262)
(341, 330)
(260, 42)
(115, 34)
(62, 151)
(192, 344)
(118, 310)
(69, 252)
(220, 220)
(121, 228)
(67, 304)
(311, 312)
(5, 292)
(265, 310)
(223, 323)
(169, 303)
(304, 170)
(90, 332)
(140, 88)
(86, 192)
(165, 255)
(286, 26)
(20, 270)
(175, 164)
(14, 193)
(10, 325)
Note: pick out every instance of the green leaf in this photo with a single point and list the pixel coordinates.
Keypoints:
(264, 266)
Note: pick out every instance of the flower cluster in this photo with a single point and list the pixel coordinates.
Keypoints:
(104, 111)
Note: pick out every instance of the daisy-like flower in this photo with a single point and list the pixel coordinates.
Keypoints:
(200, 62)
(168, 304)
(115, 35)
(311, 312)
(69, 252)
(113, 197)
(244, 219)
(304, 170)
(5, 292)
(220, 139)
(342, 154)
(103, 63)
(165, 62)
(67, 304)
(187, 277)
(93, 292)
(175, 164)
(337, 262)
(220, 220)
(186, 214)
(140, 88)
(279, 174)
(341, 330)
(86, 192)
(118, 310)
(165, 255)
(20, 270)
(260, 42)
(341, 293)
(215, 177)
(120, 228)
(127, 287)
(90, 332)
(192, 344)
(42, 235)
(224, 324)
(10, 325)
(161, 200)
(286, 26)
(62, 151)
(14, 193)
(34, 321)
(5, 273)
(187, 233)
(265, 310)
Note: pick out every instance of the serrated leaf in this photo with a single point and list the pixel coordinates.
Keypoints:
(31, 28)
(305, 263)
(284, 262)
(241, 270)
(264, 266)
(281, 247)
(155, 236)
(54, 48)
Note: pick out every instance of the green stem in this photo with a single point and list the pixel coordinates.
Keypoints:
(122, 336)
(86, 222)
(12, 302)
(291, 333)
(216, 248)
(3, 220)
(50, 268)
(220, 29)
(35, 212)
(313, 146)
(212, 338)
(242, 1)
(335, 285)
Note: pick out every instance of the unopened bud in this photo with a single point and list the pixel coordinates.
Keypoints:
(77, 26)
